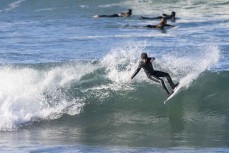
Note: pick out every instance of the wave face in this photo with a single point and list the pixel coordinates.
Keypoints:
(36, 92)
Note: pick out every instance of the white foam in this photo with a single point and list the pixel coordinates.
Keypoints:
(133, 35)
(84, 6)
(187, 65)
(45, 9)
(13, 5)
(119, 63)
(122, 61)
(27, 94)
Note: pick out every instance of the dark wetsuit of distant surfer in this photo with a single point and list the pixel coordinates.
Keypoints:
(153, 74)
(172, 17)
(161, 25)
(124, 14)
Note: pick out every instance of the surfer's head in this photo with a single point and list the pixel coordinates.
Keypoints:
(173, 13)
(144, 56)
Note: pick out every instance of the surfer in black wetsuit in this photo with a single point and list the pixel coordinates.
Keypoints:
(161, 25)
(124, 14)
(172, 17)
(153, 74)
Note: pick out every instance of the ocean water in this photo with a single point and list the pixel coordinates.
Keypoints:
(64, 77)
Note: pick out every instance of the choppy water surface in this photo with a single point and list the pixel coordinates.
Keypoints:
(64, 77)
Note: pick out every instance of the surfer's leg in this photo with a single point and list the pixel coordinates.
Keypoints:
(170, 80)
(159, 80)
(102, 15)
(164, 74)
(150, 26)
(114, 15)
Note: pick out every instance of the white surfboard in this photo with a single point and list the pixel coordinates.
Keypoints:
(96, 16)
(175, 91)
(171, 27)
(175, 27)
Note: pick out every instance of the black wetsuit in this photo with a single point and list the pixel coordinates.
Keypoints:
(158, 26)
(154, 75)
(113, 15)
(172, 17)
(125, 14)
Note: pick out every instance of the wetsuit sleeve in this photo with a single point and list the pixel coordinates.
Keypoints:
(152, 59)
(136, 71)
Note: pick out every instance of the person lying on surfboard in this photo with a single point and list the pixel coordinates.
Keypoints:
(160, 25)
(172, 17)
(124, 14)
(152, 74)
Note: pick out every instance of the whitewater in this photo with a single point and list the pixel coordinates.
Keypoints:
(65, 77)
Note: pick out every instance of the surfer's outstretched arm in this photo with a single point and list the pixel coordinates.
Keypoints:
(152, 59)
(135, 73)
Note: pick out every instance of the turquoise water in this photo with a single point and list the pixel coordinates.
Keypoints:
(64, 77)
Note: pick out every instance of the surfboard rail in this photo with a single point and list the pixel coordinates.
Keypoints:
(175, 91)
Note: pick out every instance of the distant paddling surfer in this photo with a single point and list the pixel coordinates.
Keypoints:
(152, 74)
(124, 14)
(160, 25)
(172, 17)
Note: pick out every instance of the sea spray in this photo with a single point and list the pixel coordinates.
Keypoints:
(187, 64)
(122, 61)
(28, 94)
